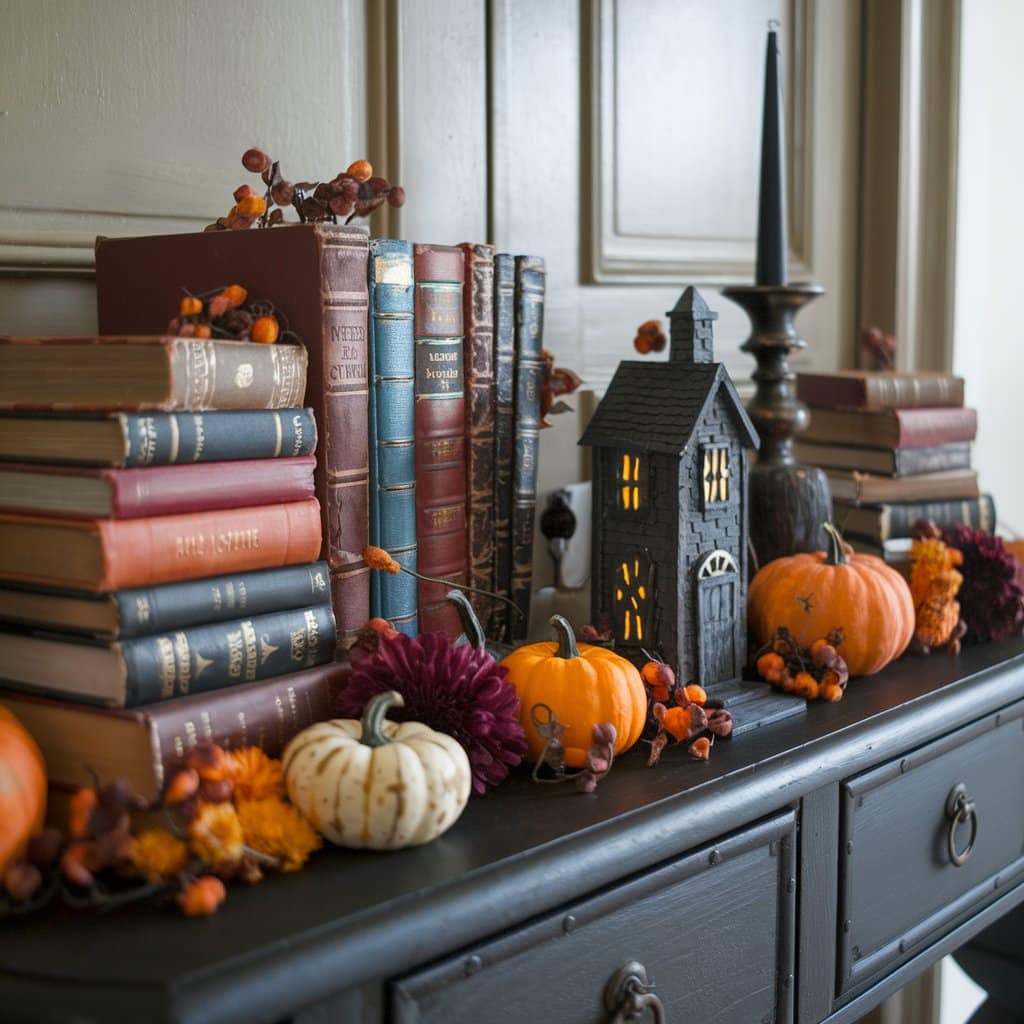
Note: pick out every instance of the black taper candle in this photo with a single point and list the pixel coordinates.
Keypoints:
(772, 240)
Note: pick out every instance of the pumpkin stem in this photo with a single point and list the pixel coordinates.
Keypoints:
(836, 555)
(373, 717)
(467, 617)
(566, 637)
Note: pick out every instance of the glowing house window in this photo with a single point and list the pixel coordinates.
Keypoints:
(631, 603)
(715, 475)
(630, 484)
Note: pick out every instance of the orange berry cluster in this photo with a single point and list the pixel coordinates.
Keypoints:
(690, 717)
(354, 192)
(817, 672)
(228, 313)
(650, 337)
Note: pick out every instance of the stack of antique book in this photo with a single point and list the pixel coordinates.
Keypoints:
(158, 540)
(426, 372)
(896, 448)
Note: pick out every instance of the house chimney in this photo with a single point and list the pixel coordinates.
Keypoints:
(692, 331)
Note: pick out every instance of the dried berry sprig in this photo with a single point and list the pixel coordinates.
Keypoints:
(230, 314)
(354, 192)
(650, 337)
(814, 672)
(598, 760)
(381, 560)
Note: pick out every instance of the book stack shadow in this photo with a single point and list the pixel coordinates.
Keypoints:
(896, 448)
(159, 546)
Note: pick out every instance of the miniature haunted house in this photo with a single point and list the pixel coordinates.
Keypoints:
(669, 558)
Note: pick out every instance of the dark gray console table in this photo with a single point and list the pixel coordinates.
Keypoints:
(804, 874)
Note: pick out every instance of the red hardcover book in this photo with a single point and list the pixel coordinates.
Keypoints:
(315, 274)
(478, 360)
(110, 554)
(892, 428)
(440, 431)
(889, 389)
(77, 492)
(147, 745)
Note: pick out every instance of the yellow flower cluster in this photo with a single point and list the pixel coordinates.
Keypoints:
(934, 584)
(156, 854)
(276, 829)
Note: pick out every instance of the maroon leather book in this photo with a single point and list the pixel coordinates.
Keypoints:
(440, 431)
(72, 491)
(892, 428)
(478, 362)
(146, 745)
(315, 275)
(886, 389)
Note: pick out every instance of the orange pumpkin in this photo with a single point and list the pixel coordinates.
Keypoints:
(583, 685)
(814, 593)
(22, 789)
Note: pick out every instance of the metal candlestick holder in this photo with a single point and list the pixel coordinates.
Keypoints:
(789, 503)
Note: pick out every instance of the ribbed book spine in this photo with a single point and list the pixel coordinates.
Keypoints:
(392, 440)
(146, 610)
(213, 656)
(898, 520)
(164, 439)
(344, 429)
(529, 380)
(478, 318)
(440, 432)
(504, 435)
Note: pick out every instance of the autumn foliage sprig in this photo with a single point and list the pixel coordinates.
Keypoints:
(354, 192)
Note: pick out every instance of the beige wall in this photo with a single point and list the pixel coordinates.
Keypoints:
(988, 346)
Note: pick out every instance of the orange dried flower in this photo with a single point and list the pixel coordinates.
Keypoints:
(203, 896)
(215, 836)
(771, 667)
(255, 775)
(190, 306)
(251, 206)
(700, 748)
(182, 786)
(806, 685)
(278, 830)
(361, 170)
(265, 330)
(695, 694)
(156, 854)
(378, 558)
(677, 723)
(80, 809)
(203, 331)
(235, 294)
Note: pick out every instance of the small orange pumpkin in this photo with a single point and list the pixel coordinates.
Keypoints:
(583, 685)
(22, 789)
(812, 594)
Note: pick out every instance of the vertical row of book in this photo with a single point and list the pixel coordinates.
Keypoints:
(896, 448)
(151, 555)
(455, 383)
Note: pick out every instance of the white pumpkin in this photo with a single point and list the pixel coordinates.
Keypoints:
(374, 783)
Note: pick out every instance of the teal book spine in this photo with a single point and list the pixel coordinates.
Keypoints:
(392, 429)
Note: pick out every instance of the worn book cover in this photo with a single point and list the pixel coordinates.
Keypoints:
(315, 275)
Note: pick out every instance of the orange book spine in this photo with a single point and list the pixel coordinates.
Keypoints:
(163, 549)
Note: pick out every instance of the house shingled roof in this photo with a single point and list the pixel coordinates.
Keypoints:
(656, 406)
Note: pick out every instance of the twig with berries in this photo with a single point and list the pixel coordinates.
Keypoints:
(815, 672)
(354, 192)
(229, 313)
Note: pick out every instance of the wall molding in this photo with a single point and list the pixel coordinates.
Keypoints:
(908, 176)
(617, 255)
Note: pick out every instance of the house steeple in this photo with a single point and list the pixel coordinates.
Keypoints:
(692, 331)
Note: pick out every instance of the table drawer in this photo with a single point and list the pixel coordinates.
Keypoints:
(901, 887)
(713, 931)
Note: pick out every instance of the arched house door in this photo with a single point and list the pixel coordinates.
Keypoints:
(718, 592)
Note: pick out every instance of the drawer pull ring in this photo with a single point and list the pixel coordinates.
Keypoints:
(629, 994)
(960, 810)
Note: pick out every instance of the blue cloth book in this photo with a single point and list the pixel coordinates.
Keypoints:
(392, 429)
